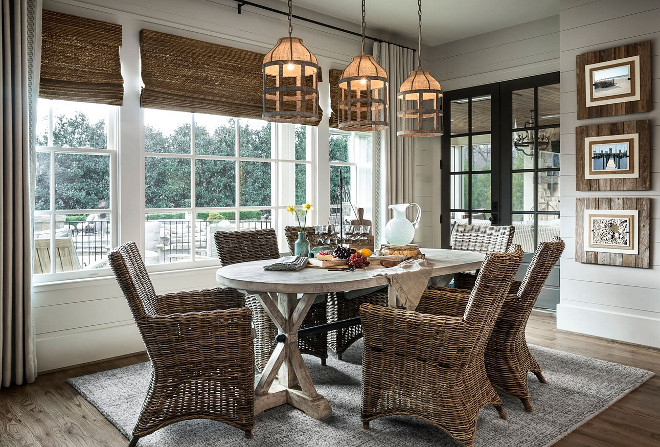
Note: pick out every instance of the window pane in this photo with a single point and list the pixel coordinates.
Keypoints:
(254, 138)
(301, 142)
(481, 114)
(459, 217)
(481, 153)
(167, 182)
(523, 191)
(42, 237)
(522, 152)
(208, 223)
(43, 106)
(79, 124)
(481, 219)
(255, 220)
(166, 132)
(82, 241)
(346, 174)
(459, 116)
(522, 107)
(459, 191)
(42, 189)
(548, 104)
(524, 234)
(302, 173)
(82, 181)
(215, 135)
(339, 146)
(255, 183)
(167, 238)
(481, 191)
(459, 154)
(549, 148)
(215, 183)
(548, 191)
(548, 227)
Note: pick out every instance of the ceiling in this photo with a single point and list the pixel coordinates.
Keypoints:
(443, 20)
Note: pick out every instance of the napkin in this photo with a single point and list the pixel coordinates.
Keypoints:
(409, 280)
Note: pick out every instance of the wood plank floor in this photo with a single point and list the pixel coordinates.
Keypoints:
(50, 413)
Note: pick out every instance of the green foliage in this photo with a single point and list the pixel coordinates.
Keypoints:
(162, 216)
(339, 152)
(78, 218)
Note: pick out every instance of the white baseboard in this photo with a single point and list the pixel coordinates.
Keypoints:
(632, 326)
(74, 347)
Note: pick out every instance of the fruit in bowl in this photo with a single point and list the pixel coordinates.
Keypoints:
(324, 256)
(342, 252)
(357, 260)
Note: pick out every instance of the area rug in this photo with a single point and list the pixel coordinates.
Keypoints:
(578, 389)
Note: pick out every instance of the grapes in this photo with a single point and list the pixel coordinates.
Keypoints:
(342, 252)
(358, 261)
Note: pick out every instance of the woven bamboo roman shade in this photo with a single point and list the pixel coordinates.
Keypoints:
(196, 76)
(335, 97)
(80, 59)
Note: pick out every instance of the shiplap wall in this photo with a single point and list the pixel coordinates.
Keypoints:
(613, 302)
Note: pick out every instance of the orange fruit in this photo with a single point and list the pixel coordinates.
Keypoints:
(365, 252)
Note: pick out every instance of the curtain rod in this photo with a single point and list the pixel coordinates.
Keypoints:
(242, 3)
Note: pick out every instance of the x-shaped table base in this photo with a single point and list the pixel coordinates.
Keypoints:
(286, 379)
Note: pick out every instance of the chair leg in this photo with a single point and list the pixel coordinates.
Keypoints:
(248, 434)
(339, 354)
(500, 411)
(539, 376)
(528, 405)
(134, 441)
(365, 425)
(323, 362)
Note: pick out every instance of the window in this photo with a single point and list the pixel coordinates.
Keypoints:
(350, 154)
(205, 173)
(75, 186)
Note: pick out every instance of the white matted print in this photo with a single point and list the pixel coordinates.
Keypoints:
(611, 156)
(611, 231)
(612, 82)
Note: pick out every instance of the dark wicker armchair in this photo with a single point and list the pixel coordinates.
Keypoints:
(254, 245)
(338, 306)
(429, 364)
(508, 359)
(200, 345)
(484, 239)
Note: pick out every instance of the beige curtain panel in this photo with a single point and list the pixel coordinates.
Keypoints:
(80, 59)
(335, 97)
(19, 23)
(195, 76)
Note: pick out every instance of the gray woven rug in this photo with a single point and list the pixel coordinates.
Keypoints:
(579, 388)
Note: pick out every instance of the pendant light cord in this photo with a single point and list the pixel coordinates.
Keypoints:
(419, 41)
(290, 29)
(364, 25)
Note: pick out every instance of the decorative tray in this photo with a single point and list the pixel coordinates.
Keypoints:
(313, 262)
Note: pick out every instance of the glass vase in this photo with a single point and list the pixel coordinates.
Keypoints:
(301, 247)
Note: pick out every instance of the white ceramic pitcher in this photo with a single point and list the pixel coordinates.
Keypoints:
(399, 230)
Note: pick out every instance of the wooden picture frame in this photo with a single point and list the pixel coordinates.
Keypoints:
(616, 81)
(613, 156)
(613, 231)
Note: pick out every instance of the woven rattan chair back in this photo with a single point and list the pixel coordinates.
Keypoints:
(485, 239)
(133, 279)
(291, 233)
(244, 246)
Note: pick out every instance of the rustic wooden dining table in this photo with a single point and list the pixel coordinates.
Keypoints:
(286, 379)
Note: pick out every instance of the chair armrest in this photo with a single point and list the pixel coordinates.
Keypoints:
(199, 301)
(444, 301)
(515, 286)
(397, 332)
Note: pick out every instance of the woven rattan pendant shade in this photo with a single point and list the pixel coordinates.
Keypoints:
(420, 106)
(291, 76)
(363, 86)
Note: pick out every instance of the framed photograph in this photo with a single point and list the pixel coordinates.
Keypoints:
(616, 81)
(614, 157)
(613, 231)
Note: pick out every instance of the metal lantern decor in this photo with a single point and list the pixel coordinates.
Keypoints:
(419, 99)
(363, 86)
(291, 77)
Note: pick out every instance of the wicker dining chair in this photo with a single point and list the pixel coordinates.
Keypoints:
(200, 346)
(255, 245)
(429, 365)
(481, 238)
(338, 306)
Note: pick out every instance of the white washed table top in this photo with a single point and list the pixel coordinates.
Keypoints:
(252, 276)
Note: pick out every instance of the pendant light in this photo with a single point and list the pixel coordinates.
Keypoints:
(419, 99)
(291, 77)
(363, 86)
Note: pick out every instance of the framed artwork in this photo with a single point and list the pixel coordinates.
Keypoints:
(616, 81)
(613, 231)
(613, 157)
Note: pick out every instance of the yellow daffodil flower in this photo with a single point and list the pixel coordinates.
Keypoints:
(307, 206)
(290, 209)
